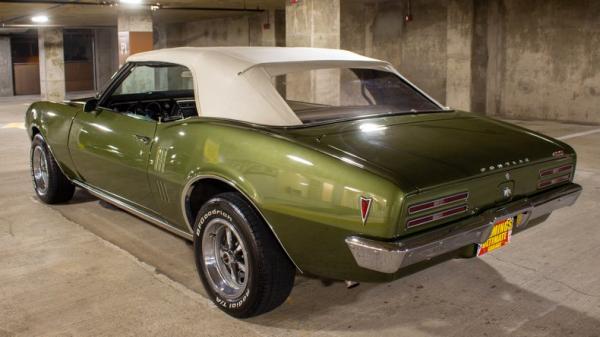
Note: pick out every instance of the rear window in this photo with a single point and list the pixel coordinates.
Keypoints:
(341, 93)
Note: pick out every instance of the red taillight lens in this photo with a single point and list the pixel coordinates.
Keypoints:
(554, 181)
(423, 206)
(556, 170)
(433, 205)
(564, 172)
(436, 216)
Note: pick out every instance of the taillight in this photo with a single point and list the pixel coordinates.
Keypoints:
(564, 174)
(423, 206)
(556, 170)
(434, 205)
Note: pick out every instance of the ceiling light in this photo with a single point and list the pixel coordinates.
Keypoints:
(132, 2)
(39, 19)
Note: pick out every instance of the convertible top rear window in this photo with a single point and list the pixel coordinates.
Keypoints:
(344, 93)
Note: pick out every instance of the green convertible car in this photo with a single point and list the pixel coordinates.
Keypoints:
(283, 160)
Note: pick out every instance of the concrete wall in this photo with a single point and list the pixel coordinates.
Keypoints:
(537, 59)
(547, 60)
(417, 48)
(242, 30)
(106, 55)
(6, 73)
(314, 23)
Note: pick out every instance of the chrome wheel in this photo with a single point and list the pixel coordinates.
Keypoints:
(39, 164)
(225, 258)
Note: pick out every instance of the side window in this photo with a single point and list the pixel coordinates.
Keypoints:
(146, 79)
(157, 91)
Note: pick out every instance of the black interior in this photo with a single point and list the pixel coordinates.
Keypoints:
(319, 113)
(162, 105)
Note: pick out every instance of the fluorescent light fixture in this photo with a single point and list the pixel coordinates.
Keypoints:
(132, 2)
(39, 19)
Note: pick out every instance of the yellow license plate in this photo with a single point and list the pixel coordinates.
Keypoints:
(500, 236)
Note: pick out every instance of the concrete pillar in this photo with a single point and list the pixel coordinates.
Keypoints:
(135, 32)
(279, 24)
(480, 56)
(268, 29)
(6, 74)
(314, 23)
(106, 58)
(496, 61)
(261, 29)
(52, 64)
(459, 54)
(161, 36)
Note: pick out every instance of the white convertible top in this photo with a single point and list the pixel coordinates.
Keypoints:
(235, 82)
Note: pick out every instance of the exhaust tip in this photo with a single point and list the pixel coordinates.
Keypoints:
(351, 284)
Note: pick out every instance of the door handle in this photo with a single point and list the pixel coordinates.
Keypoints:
(143, 139)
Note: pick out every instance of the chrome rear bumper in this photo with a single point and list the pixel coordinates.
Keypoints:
(389, 256)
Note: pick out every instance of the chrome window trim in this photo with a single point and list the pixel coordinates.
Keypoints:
(187, 190)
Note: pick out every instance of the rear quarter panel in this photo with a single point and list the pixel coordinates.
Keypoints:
(311, 200)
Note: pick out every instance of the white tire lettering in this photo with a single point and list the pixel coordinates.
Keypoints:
(209, 214)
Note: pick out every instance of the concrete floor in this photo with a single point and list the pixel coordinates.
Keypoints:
(88, 269)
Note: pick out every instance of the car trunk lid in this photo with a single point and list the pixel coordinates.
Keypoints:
(422, 151)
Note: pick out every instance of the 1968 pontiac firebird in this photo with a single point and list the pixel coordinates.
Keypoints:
(277, 160)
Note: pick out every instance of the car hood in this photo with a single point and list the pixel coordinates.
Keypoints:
(422, 151)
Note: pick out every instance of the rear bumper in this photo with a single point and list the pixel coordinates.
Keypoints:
(389, 256)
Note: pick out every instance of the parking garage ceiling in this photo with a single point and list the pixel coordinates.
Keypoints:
(86, 13)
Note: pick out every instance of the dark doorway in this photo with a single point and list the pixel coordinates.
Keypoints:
(79, 59)
(26, 68)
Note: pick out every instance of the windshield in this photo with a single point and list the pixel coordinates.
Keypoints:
(330, 94)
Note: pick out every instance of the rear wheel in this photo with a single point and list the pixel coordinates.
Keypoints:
(244, 270)
(49, 183)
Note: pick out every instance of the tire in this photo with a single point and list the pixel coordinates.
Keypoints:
(49, 183)
(246, 272)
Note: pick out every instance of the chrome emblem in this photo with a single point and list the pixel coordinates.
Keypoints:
(365, 207)
(506, 192)
(504, 165)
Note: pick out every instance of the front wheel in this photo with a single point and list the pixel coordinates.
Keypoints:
(244, 270)
(50, 184)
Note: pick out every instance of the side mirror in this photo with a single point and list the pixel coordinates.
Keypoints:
(90, 105)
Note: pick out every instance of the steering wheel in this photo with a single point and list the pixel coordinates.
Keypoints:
(136, 108)
(153, 110)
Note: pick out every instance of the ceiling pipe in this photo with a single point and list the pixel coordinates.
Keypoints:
(115, 4)
(212, 9)
(55, 2)
(15, 30)
(28, 26)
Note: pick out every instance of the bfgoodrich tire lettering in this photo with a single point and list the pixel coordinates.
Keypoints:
(244, 270)
(49, 183)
